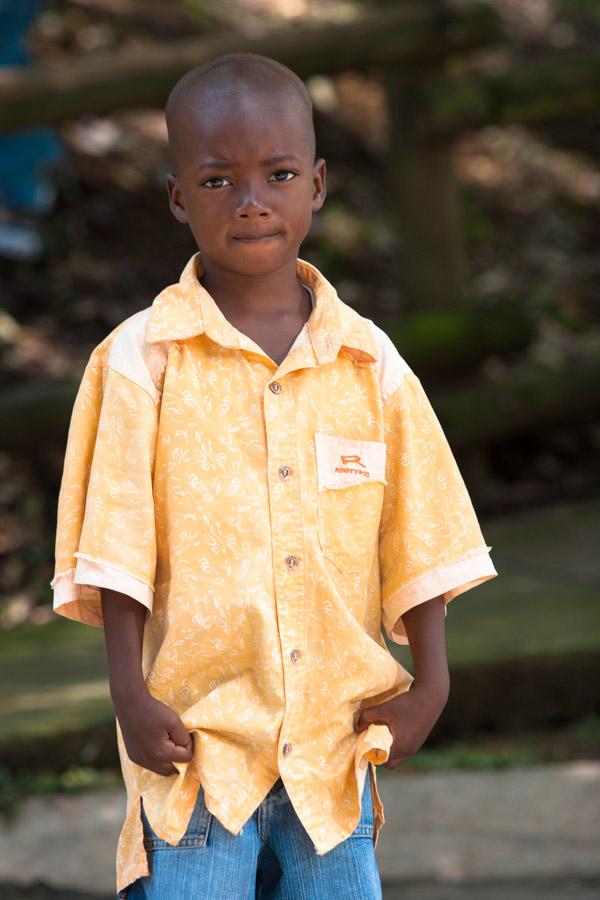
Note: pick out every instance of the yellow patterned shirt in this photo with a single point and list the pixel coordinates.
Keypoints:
(271, 519)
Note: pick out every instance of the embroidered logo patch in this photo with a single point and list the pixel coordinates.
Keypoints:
(344, 461)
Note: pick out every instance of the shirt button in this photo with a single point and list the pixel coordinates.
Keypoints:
(275, 387)
(295, 655)
(286, 749)
(284, 472)
(292, 561)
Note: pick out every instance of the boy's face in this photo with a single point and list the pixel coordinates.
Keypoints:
(251, 192)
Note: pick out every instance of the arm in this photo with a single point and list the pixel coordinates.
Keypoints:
(430, 542)
(411, 715)
(124, 638)
(425, 627)
(153, 733)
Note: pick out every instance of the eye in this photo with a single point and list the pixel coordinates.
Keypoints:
(208, 182)
(284, 172)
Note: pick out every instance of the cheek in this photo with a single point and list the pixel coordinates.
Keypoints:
(208, 210)
(300, 206)
(308, 217)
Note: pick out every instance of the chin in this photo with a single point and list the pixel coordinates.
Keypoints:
(257, 267)
(258, 260)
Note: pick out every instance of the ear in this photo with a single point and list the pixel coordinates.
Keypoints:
(319, 190)
(176, 199)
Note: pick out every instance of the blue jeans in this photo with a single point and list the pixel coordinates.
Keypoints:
(272, 858)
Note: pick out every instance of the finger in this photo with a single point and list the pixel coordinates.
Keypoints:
(179, 733)
(362, 723)
(393, 761)
(160, 767)
(177, 753)
(166, 770)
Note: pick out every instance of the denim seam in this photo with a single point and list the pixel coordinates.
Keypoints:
(190, 841)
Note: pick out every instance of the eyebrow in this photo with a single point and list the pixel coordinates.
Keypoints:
(269, 160)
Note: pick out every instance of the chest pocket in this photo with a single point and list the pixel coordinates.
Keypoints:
(351, 479)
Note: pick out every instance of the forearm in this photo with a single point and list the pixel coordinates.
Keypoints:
(124, 620)
(412, 714)
(426, 632)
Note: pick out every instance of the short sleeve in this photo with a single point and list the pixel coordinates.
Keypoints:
(430, 541)
(105, 535)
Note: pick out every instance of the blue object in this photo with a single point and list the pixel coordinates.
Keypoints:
(23, 155)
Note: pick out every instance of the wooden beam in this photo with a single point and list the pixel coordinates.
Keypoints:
(559, 87)
(47, 95)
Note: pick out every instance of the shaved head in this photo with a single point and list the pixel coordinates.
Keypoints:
(225, 82)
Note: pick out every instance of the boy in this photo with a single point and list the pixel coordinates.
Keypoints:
(254, 481)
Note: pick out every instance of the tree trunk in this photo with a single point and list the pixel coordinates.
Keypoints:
(431, 263)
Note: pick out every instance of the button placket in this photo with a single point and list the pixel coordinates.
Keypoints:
(287, 532)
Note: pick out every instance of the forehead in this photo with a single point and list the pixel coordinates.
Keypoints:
(241, 125)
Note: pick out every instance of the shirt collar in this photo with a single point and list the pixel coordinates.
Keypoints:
(186, 309)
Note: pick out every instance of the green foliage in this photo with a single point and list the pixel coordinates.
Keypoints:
(461, 337)
(469, 756)
(478, 227)
(347, 231)
(542, 297)
(76, 779)
(199, 11)
(587, 729)
(588, 8)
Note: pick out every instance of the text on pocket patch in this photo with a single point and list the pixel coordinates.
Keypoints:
(344, 461)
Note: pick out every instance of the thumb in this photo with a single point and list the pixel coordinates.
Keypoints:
(364, 719)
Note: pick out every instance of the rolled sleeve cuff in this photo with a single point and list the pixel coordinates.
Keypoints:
(447, 581)
(77, 590)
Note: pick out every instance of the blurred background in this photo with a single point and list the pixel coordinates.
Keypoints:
(463, 145)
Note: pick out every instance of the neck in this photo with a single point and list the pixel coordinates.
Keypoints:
(272, 295)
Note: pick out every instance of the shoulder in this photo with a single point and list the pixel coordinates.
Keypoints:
(125, 350)
(392, 368)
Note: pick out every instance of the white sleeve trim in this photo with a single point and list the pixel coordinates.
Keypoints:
(77, 590)
(447, 581)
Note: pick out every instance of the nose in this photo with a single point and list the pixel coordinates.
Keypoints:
(251, 205)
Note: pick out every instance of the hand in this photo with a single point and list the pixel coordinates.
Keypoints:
(409, 716)
(154, 735)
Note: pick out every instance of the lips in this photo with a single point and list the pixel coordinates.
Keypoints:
(255, 238)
